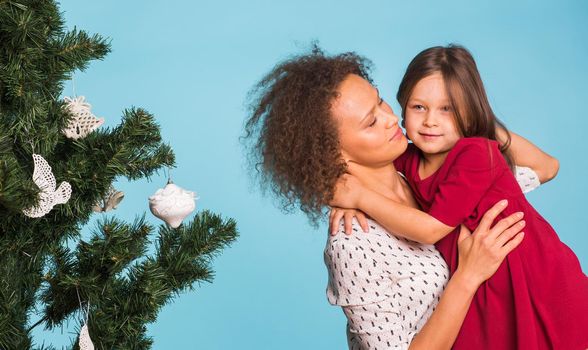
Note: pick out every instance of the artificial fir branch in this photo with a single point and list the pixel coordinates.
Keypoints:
(43, 263)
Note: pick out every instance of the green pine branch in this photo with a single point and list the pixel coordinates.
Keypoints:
(126, 288)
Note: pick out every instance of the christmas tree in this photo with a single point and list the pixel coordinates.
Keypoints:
(56, 164)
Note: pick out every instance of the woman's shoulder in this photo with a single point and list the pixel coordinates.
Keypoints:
(378, 240)
(375, 232)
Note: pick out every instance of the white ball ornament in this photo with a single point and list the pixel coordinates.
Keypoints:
(172, 204)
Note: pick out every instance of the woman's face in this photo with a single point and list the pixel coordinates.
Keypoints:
(369, 133)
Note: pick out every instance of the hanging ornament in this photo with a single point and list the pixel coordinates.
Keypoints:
(49, 196)
(110, 200)
(172, 204)
(85, 342)
(82, 120)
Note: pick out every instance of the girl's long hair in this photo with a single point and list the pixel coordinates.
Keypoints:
(472, 112)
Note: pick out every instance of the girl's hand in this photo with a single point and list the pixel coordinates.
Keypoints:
(347, 215)
(482, 252)
(348, 190)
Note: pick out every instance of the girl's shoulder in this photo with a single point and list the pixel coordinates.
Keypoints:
(475, 153)
(475, 143)
(408, 159)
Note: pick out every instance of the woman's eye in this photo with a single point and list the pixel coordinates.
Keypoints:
(446, 108)
(373, 122)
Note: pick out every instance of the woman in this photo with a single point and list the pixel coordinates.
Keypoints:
(310, 115)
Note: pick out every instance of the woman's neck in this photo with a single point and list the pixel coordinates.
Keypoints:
(386, 181)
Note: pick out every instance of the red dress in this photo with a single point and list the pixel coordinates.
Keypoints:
(538, 298)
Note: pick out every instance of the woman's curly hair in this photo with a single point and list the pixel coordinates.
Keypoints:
(290, 135)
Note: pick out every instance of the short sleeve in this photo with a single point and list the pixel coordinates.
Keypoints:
(356, 275)
(472, 169)
(527, 178)
(401, 163)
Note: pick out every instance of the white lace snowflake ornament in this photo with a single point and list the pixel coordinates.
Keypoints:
(50, 195)
(85, 342)
(172, 204)
(82, 120)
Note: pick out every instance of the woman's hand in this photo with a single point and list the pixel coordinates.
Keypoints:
(347, 215)
(347, 192)
(482, 252)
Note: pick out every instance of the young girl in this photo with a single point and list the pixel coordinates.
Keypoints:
(538, 298)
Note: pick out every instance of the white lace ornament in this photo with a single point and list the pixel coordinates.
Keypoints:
(49, 196)
(82, 120)
(172, 204)
(85, 342)
(109, 201)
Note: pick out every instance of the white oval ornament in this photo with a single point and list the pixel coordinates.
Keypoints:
(172, 204)
(85, 342)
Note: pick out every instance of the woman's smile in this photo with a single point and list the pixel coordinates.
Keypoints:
(397, 135)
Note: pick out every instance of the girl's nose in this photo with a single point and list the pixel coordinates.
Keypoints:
(430, 120)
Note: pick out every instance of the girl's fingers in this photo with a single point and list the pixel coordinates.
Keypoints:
(335, 222)
(513, 243)
(348, 222)
(351, 167)
(510, 233)
(362, 221)
(490, 215)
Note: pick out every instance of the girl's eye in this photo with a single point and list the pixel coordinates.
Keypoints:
(373, 122)
(446, 108)
(418, 107)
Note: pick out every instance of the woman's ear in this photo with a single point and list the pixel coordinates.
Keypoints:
(346, 157)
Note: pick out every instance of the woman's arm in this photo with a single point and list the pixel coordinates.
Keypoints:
(527, 154)
(480, 255)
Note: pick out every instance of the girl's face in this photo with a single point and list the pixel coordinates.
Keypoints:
(429, 117)
(369, 133)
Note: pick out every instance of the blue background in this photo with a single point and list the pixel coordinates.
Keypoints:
(191, 63)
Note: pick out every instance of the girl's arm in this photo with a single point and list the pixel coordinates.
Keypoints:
(399, 219)
(527, 154)
(402, 220)
(480, 255)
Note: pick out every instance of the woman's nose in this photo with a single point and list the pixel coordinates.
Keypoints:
(392, 120)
